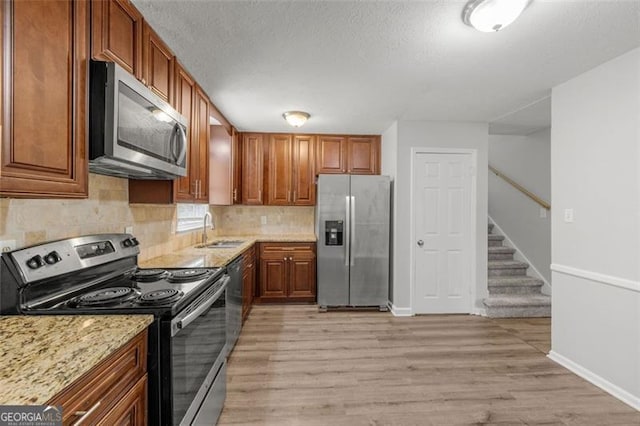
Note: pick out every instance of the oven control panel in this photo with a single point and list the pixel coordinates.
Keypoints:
(49, 260)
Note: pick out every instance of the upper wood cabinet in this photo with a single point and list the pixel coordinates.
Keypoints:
(358, 155)
(252, 168)
(290, 167)
(199, 169)
(117, 34)
(236, 158)
(44, 98)
(158, 65)
(331, 154)
(185, 87)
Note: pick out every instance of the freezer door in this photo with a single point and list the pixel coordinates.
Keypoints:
(370, 212)
(332, 253)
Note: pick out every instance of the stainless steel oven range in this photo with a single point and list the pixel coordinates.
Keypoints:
(98, 274)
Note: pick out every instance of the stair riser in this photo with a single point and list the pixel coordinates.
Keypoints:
(509, 272)
(515, 290)
(519, 312)
(500, 256)
(495, 243)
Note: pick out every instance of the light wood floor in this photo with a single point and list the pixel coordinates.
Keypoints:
(295, 366)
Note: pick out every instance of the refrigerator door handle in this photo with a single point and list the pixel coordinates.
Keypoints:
(352, 227)
(347, 245)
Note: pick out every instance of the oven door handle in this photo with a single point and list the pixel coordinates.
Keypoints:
(191, 316)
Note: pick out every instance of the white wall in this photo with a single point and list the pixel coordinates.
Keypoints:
(595, 163)
(436, 135)
(389, 167)
(527, 160)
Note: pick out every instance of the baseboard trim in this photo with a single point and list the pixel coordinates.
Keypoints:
(478, 311)
(400, 312)
(593, 378)
(597, 277)
(532, 268)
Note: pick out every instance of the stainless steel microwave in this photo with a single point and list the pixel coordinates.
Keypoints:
(133, 133)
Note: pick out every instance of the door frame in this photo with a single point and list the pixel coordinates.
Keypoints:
(472, 222)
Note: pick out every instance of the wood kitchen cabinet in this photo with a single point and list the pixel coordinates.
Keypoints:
(116, 29)
(348, 154)
(290, 175)
(252, 168)
(236, 158)
(199, 156)
(44, 98)
(248, 280)
(113, 392)
(287, 272)
(158, 65)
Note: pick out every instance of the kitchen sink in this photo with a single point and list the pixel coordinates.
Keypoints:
(223, 244)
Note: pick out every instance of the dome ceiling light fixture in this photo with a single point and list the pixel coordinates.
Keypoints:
(296, 118)
(492, 15)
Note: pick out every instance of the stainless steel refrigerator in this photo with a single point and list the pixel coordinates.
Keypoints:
(352, 225)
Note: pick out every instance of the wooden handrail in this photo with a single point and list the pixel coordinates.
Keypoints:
(520, 188)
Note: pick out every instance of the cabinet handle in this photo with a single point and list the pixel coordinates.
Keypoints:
(288, 196)
(260, 194)
(85, 414)
(235, 194)
(294, 195)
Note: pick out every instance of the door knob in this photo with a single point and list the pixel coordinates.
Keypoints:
(420, 243)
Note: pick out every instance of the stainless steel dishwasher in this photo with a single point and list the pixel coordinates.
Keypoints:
(234, 304)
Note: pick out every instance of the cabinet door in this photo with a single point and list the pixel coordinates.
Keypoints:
(158, 63)
(44, 98)
(236, 159)
(116, 27)
(220, 166)
(302, 279)
(279, 170)
(184, 187)
(202, 146)
(331, 154)
(303, 165)
(364, 153)
(273, 278)
(131, 409)
(252, 171)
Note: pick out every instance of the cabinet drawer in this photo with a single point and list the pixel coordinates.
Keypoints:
(278, 249)
(130, 410)
(106, 384)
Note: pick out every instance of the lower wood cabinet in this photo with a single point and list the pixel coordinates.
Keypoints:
(248, 280)
(113, 392)
(287, 272)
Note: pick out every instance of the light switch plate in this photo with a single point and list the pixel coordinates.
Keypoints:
(128, 230)
(568, 215)
(7, 245)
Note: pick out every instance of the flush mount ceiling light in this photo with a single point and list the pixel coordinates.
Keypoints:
(296, 118)
(492, 15)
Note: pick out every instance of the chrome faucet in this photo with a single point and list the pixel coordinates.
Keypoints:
(204, 227)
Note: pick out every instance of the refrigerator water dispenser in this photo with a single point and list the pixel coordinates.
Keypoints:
(333, 231)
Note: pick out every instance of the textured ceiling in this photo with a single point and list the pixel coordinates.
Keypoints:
(356, 66)
(528, 119)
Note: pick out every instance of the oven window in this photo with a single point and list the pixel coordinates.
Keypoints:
(143, 127)
(195, 350)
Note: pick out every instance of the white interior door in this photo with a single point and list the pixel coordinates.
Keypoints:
(442, 238)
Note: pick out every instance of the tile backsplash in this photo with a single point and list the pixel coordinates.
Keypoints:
(247, 220)
(106, 210)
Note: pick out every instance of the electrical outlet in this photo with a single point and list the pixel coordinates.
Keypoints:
(128, 230)
(568, 215)
(263, 220)
(7, 245)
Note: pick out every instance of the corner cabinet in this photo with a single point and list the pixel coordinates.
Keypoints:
(44, 98)
(113, 392)
(357, 155)
(287, 272)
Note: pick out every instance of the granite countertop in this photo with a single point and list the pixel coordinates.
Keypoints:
(192, 257)
(41, 355)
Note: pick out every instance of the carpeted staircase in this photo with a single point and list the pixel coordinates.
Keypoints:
(511, 292)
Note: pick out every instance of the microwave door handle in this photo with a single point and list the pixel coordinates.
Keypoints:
(183, 143)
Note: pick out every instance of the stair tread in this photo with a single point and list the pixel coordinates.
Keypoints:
(506, 264)
(514, 280)
(495, 237)
(501, 249)
(517, 300)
